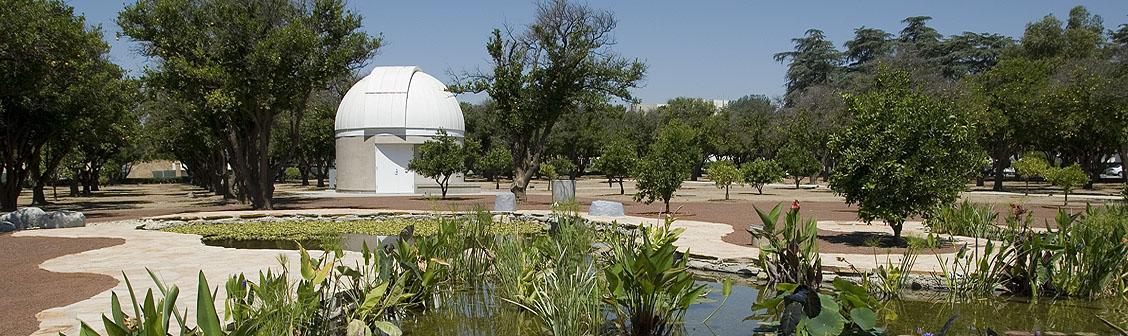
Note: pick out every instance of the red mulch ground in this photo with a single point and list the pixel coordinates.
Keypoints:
(27, 289)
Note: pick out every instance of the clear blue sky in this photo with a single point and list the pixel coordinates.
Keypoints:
(708, 49)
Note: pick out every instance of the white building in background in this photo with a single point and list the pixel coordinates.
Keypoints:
(380, 124)
(647, 108)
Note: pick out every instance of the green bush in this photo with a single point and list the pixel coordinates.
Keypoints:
(291, 174)
(724, 174)
(761, 172)
(310, 230)
(1067, 178)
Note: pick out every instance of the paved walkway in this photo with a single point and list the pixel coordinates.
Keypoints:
(177, 258)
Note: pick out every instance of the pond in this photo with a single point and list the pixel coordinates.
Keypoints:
(479, 313)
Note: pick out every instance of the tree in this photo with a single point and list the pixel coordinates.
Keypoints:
(616, 160)
(1004, 100)
(1030, 166)
(972, 53)
(761, 172)
(814, 61)
(868, 45)
(541, 73)
(46, 55)
(743, 130)
(244, 63)
(798, 162)
(724, 174)
(1067, 178)
(904, 153)
(670, 161)
(439, 159)
(496, 163)
(691, 111)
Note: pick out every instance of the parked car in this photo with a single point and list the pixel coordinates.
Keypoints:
(1115, 171)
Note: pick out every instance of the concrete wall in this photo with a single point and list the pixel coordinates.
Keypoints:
(356, 160)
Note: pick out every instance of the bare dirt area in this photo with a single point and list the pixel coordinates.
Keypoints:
(28, 289)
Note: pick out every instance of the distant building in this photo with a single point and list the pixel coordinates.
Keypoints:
(647, 108)
(157, 169)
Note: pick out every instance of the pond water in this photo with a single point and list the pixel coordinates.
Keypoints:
(478, 313)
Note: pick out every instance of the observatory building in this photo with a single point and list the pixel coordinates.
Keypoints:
(380, 124)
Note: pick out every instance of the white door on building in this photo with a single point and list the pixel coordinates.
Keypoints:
(392, 175)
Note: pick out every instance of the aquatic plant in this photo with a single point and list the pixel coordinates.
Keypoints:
(330, 298)
(792, 253)
(800, 310)
(649, 286)
(965, 219)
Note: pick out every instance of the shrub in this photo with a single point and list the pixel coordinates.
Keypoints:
(291, 174)
(1067, 178)
(761, 172)
(798, 162)
(562, 166)
(496, 163)
(1031, 165)
(670, 161)
(616, 160)
(439, 159)
(904, 153)
(724, 174)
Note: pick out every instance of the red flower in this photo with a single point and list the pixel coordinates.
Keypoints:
(795, 205)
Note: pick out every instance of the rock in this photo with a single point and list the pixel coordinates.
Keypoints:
(7, 227)
(563, 191)
(606, 208)
(63, 219)
(25, 218)
(506, 202)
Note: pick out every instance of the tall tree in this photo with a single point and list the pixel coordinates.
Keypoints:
(742, 131)
(45, 51)
(545, 71)
(670, 161)
(971, 53)
(868, 45)
(1004, 101)
(814, 61)
(246, 62)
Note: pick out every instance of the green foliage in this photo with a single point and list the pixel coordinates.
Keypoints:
(798, 162)
(791, 253)
(240, 66)
(439, 159)
(814, 61)
(649, 286)
(497, 162)
(560, 166)
(539, 73)
(761, 172)
(669, 162)
(61, 96)
(1067, 178)
(724, 174)
(616, 160)
(849, 310)
(291, 174)
(903, 154)
(330, 298)
(319, 230)
(548, 171)
(965, 219)
(1031, 165)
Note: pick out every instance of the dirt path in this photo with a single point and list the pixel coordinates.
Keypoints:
(26, 289)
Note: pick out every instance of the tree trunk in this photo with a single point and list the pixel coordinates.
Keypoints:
(304, 172)
(897, 228)
(1123, 152)
(797, 178)
(621, 190)
(667, 202)
(1000, 166)
(10, 190)
(726, 192)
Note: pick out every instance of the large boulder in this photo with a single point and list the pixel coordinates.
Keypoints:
(606, 208)
(64, 219)
(25, 218)
(505, 202)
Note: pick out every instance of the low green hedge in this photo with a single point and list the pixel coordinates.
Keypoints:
(301, 230)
